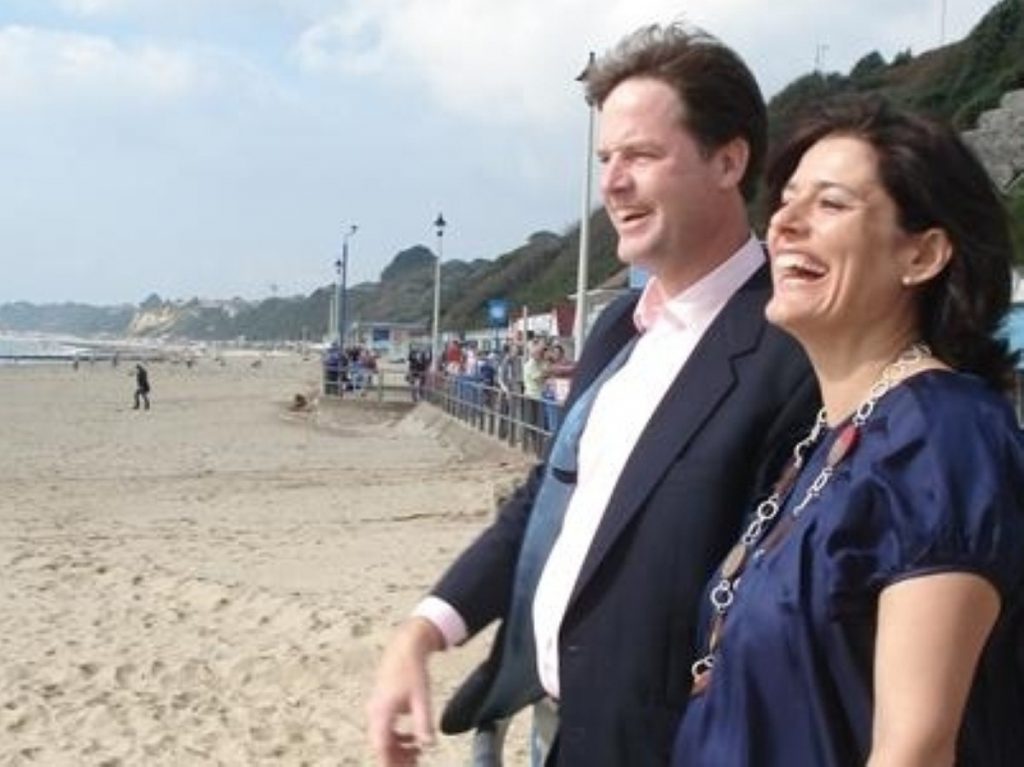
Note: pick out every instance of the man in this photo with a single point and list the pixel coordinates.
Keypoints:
(535, 372)
(141, 387)
(677, 442)
(417, 372)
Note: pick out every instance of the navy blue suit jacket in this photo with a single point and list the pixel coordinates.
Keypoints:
(715, 443)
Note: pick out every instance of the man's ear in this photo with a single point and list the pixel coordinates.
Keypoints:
(731, 162)
(928, 257)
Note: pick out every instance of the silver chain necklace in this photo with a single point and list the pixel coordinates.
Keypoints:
(755, 542)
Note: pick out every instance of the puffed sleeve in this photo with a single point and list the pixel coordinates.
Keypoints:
(939, 488)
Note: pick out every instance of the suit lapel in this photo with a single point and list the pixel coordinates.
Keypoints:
(700, 388)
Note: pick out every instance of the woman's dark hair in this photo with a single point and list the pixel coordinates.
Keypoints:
(935, 182)
(720, 97)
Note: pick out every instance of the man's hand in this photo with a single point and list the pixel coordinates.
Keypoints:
(403, 687)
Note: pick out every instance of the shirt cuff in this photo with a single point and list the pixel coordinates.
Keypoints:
(445, 618)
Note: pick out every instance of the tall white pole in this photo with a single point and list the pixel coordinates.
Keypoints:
(439, 224)
(343, 289)
(332, 313)
(580, 321)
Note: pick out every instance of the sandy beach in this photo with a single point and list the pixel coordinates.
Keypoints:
(211, 582)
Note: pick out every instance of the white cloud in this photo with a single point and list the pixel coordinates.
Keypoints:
(43, 67)
(515, 61)
(345, 43)
(38, 65)
(491, 60)
(92, 7)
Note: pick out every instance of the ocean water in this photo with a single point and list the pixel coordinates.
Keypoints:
(37, 347)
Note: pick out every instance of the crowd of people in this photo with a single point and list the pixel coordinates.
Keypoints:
(782, 519)
(525, 384)
(350, 369)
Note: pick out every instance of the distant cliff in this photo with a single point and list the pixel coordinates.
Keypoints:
(539, 274)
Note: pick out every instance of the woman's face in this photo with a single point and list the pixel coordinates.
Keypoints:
(838, 253)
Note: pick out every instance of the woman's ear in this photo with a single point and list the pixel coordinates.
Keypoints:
(928, 257)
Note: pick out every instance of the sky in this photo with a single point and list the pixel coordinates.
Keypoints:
(223, 148)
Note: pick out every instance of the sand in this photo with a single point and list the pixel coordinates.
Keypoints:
(211, 582)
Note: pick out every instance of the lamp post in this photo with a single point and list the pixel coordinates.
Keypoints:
(332, 312)
(336, 302)
(580, 322)
(342, 266)
(439, 225)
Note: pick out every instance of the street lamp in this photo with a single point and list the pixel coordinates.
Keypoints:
(439, 225)
(342, 267)
(336, 302)
(332, 312)
(580, 323)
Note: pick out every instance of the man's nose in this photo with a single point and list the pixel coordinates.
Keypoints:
(613, 176)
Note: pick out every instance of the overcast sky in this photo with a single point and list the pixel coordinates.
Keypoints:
(220, 148)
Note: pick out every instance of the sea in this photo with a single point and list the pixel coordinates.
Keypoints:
(35, 348)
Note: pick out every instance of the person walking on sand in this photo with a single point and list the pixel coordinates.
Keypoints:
(141, 387)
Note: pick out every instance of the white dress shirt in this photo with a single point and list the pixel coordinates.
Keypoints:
(671, 327)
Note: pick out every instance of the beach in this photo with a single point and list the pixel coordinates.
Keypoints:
(212, 581)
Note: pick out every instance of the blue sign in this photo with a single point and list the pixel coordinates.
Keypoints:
(497, 312)
(1013, 329)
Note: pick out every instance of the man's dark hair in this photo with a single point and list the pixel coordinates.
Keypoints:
(720, 98)
(935, 182)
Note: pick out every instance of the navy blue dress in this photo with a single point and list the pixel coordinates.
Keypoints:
(936, 484)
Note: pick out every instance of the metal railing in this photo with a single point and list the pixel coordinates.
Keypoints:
(377, 385)
(519, 421)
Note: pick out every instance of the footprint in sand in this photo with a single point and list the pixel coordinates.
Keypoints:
(125, 674)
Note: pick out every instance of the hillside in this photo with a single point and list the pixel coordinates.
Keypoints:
(959, 82)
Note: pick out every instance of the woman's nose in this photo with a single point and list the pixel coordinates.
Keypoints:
(787, 218)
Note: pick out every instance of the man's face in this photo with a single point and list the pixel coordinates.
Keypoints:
(658, 185)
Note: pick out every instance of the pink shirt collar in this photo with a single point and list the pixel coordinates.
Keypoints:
(703, 297)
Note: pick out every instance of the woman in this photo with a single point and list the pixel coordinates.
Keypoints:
(871, 613)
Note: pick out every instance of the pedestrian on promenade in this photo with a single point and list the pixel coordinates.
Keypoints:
(534, 374)
(416, 373)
